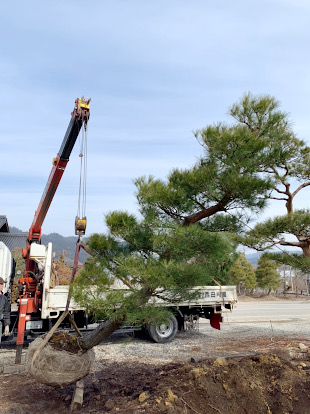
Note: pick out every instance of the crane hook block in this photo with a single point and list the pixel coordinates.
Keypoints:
(80, 226)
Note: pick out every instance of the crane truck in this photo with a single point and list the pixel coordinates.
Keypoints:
(210, 303)
(30, 298)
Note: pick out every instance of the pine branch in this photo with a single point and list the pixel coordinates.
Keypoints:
(300, 188)
(279, 191)
(291, 243)
(87, 249)
(276, 198)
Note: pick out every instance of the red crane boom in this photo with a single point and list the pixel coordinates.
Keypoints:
(30, 298)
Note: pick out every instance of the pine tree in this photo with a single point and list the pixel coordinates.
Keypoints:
(184, 236)
(148, 260)
(242, 273)
(284, 162)
(267, 275)
(242, 166)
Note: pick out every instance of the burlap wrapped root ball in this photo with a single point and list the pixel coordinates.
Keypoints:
(56, 367)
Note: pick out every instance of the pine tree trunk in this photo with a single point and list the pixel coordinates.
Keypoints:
(306, 248)
(289, 203)
(103, 331)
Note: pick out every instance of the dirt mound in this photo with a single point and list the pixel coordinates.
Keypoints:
(264, 383)
(254, 384)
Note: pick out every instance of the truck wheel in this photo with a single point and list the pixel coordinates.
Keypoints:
(163, 332)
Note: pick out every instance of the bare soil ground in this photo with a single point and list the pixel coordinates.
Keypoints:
(249, 373)
(268, 382)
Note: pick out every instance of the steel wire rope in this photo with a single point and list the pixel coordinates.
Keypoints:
(81, 209)
(85, 175)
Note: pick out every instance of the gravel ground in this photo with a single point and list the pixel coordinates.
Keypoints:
(232, 339)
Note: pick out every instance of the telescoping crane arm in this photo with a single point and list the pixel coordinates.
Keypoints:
(30, 297)
(80, 116)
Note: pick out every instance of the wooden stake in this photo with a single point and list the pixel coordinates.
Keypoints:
(77, 399)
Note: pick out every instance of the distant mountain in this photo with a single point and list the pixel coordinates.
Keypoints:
(61, 245)
(67, 245)
(64, 245)
(15, 230)
(252, 258)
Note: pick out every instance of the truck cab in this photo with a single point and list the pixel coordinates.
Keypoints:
(7, 268)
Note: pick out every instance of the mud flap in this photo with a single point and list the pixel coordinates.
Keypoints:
(215, 320)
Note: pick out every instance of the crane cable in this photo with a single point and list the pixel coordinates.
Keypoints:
(83, 174)
(81, 209)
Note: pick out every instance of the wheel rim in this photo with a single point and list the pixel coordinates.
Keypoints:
(164, 329)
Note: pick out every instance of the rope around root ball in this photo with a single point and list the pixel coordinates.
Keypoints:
(57, 367)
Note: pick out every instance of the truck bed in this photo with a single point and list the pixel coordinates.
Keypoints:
(56, 299)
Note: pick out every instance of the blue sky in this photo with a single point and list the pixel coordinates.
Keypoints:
(155, 70)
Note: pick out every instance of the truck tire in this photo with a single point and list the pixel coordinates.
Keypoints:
(163, 332)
